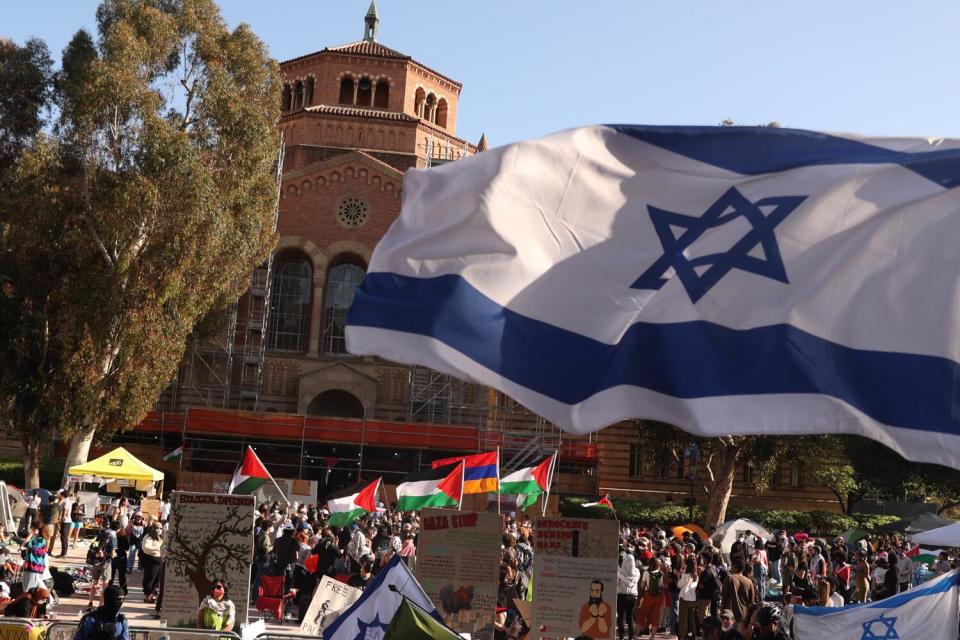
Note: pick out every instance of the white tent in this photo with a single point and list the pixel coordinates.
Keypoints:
(727, 533)
(948, 536)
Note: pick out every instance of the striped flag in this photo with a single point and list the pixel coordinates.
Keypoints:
(603, 502)
(250, 475)
(176, 454)
(344, 510)
(481, 473)
(530, 483)
(440, 487)
(729, 280)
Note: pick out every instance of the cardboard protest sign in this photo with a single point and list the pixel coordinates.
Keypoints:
(210, 538)
(575, 577)
(329, 600)
(151, 506)
(458, 564)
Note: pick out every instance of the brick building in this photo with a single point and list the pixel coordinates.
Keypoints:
(355, 118)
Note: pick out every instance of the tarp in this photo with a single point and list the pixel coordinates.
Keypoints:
(916, 524)
(119, 464)
(948, 536)
(692, 528)
(727, 533)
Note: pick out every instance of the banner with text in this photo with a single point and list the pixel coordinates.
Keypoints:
(458, 564)
(329, 600)
(575, 577)
(210, 538)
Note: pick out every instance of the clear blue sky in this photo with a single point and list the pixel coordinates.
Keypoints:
(530, 67)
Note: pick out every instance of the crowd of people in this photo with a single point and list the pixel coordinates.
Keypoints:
(681, 584)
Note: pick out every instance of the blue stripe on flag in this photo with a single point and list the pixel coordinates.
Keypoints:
(685, 360)
(480, 473)
(757, 150)
(887, 603)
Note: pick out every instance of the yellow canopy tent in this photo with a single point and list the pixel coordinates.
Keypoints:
(119, 464)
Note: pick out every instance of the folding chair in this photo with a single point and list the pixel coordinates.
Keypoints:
(271, 597)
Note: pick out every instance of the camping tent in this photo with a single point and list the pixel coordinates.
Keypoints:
(692, 528)
(915, 524)
(727, 533)
(948, 536)
(119, 464)
(853, 536)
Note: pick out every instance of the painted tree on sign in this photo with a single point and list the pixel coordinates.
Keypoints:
(212, 552)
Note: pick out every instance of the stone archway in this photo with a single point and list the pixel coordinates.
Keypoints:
(336, 403)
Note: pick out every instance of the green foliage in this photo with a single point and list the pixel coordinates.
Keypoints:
(51, 472)
(26, 74)
(647, 513)
(147, 207)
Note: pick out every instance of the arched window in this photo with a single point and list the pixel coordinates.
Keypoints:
(442, 113)
(308, 92)
(286, 98)
(336, 403)
(365, 92)
(290, 304)
(381, 98)
(346, 90)
(298, 94)
(419, 99)
(342, 282)
(430, 108)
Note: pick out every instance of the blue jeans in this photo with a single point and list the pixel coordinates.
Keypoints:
(257, 570)
(775, 570)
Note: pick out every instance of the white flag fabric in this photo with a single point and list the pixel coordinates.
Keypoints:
(369, 617)
(926, 612)
(726, 280)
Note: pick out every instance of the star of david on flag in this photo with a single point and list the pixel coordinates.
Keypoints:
(726, 280)
(880, 629)
(927, 611)
(731, 206)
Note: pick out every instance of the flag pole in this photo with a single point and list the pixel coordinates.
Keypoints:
(279, 490)
(546, 495)
(498, 480)
(463, 478)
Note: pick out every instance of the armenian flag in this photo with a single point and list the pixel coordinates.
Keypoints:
(481, 473)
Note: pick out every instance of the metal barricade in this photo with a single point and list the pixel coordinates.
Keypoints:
(66, 630)
(277, 635)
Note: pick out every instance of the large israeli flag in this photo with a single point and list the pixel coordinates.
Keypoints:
(722, 279)
(927, 612)
(369, 617)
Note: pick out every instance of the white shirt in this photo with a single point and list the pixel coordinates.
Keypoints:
(688, 587)
(67, 508)
(164, 510)
(836, 600)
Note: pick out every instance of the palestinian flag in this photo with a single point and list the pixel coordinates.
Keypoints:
(530, 482)
(440, 487)
(360, 500)
(176, 454)
(603, 502)
(250, 475)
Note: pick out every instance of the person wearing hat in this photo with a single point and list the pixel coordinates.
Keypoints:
(105, 621)
(728, 626)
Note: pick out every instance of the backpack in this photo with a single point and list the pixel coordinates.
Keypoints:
(102, 630)
(655, 586)
(62, 582)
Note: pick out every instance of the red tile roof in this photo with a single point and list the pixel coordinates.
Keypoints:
(346, 110)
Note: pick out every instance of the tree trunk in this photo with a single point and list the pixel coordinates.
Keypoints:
(31, 464)
(79, 449)
(719, 497)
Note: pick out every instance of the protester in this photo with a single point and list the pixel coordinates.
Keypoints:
(217, 611)
(648, 614)
(33, 505)
(262, 555)
(77, 513)
(35, 560)
(628, 577)
(100, 558)
(151, 546)
(118, 567)
(66, 524)
(31, 603)
(739, 591)
(105, 621)
(52, 513)
(687, 619)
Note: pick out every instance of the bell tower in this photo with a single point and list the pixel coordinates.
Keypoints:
(370, 23)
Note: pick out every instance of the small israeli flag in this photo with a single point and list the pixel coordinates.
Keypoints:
(927, 612)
